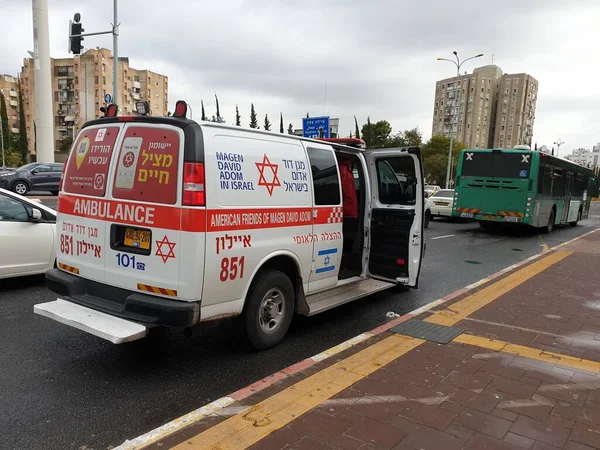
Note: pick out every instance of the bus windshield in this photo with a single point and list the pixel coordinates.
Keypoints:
(496, 164)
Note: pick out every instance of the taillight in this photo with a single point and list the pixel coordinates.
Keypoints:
(193, 184)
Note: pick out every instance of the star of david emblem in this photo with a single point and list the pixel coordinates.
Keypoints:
(273, 169)
(169, 245)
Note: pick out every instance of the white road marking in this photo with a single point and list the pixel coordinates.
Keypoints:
(443, 237)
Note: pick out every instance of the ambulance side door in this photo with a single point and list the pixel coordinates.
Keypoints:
(397, 203)
(327, 217)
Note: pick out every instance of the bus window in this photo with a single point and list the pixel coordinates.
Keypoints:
(545, 180)
(558, 186)
(496, 164)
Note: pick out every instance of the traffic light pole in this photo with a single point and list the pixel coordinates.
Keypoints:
(115, 33)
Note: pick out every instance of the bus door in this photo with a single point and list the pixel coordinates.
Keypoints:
(568, 187)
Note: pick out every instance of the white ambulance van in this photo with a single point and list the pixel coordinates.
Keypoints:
(163, 221)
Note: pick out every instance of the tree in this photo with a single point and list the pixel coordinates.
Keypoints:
(238, 118)
(253, 118)
(23, 144)
(408, 138)
(281, 122)
(65, 145)
(290, 129)
(307, 116)
(13, 159)
(169, 114)
(435, 158)
(376, 135)
(4, 123)
(218, 112)
(267, 126)
(203, 116)
(356, 130)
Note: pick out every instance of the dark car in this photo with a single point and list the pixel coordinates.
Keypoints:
(32, 177)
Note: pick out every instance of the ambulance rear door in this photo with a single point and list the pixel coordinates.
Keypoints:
(395, 230)
(143, 215)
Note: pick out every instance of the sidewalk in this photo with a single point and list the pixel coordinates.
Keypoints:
(520, 370)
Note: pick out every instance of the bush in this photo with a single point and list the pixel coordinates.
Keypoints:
(13, 159)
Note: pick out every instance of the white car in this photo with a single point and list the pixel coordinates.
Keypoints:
(442, 203)
(27, 236)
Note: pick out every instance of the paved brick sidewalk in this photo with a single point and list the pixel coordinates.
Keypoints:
(525, 374)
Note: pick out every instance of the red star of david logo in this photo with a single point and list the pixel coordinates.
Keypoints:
(262, 181)
(128, 159)
(159, 251)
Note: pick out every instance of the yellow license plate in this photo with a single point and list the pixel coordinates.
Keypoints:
(137, 238)
(489, 217)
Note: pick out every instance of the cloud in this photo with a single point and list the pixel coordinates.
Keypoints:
(375, 58)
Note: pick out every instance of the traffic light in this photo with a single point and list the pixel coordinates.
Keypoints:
(75, 46)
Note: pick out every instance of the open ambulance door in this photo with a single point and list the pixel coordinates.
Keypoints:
(395, 231)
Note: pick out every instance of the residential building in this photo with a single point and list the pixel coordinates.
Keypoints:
(79, 85)
(470, 107)
(466, 106)
(515, 110)
(586, 157)
(9, 87)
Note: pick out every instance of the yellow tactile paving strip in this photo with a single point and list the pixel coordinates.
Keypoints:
(255, 423)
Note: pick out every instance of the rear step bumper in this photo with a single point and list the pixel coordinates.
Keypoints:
(117, 302)
(113, 329)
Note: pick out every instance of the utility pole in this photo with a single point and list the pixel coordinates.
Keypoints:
(44, 117)
(458, 63)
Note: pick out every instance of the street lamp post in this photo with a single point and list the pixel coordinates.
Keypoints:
(2, 140)
(458, 63)
(558, 143)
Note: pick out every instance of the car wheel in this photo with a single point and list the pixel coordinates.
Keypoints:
(427, 219)
(269, 309)
(20, 187)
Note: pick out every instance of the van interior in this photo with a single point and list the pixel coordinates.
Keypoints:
(353, 194)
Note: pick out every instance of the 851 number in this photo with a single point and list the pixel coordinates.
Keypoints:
(232, 268)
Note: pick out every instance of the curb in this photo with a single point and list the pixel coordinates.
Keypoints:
(241, 394)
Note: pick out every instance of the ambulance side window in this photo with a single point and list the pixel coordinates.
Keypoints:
(326, 182)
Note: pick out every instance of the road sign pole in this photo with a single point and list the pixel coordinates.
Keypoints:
(115, 55)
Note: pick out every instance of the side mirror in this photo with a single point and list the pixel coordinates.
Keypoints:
(36, 215)
(33, 172)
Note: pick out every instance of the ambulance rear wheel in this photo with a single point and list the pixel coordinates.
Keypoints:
(269, 309)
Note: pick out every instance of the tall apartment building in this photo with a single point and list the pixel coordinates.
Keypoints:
(516, 110)
(79, 85)
(9, 87)
(469, 106)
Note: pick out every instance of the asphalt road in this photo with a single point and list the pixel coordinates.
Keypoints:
(61, 388)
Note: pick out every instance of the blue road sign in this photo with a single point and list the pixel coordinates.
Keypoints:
(107, 98)
(312, 126)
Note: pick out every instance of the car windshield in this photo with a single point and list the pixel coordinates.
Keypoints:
(444, 193)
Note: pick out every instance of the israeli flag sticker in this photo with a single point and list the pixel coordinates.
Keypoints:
(326, 260)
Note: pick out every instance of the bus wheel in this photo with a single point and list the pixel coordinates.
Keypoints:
(548, 228)
(574, 224)
(269, 309)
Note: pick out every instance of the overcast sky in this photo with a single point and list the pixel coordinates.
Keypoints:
(342, 57)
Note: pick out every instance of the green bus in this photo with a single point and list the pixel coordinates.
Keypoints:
(495, 186)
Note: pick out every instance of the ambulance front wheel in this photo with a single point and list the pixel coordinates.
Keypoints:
(269, 309)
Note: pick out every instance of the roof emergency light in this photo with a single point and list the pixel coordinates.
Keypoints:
(181, 108)
(110, 110)
(142, 108)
